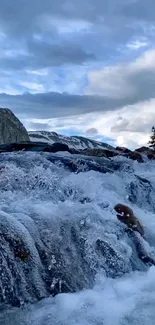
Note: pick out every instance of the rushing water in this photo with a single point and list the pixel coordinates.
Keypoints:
(41, 204)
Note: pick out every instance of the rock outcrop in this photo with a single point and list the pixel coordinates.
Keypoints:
(11, 129)
(100, 152)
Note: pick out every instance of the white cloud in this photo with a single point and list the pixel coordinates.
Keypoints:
(130, 126)
(128, 80)
(66, 26)
(34, 87)
(136, 45)
(41, 72)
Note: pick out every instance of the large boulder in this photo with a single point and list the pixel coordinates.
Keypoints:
(123, 150)
(134, 155)
(11, 129)
(150, 153)
(100, 152)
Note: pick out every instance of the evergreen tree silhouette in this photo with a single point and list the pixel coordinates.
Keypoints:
(152, 139)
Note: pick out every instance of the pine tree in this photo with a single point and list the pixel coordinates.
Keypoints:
(152, 139)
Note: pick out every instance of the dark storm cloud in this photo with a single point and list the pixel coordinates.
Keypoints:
(30, 38)
(50, 105)
(25, 14)
(44, 55)
(38, 126)
(22, 21)
(91, 131)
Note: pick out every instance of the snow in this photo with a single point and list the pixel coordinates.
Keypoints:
(36, 194)
(72, 141)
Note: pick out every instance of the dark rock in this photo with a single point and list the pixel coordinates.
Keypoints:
(100, 152)
(57, 146)
(34, 146)
(85, 200)
(141, 192)
(135, 156)
(150, 153)
(123, 150)
(132, 190)
(143, 149)
(11, 129)
(140, 248)
(143, 180)
(114, 262)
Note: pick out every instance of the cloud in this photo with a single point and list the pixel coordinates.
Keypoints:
(61, 59)
(133, 81)
(38, 34)
(91, 132)
(54, 104)
(42, 54)
(108, 89)
(136, 45)
(35, 126)
(123, 127)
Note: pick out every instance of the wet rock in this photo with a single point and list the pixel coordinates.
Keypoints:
(57, 146)
(139, 245)
(126, 215)
(135, 155)
(114, 265)
(85, 200)
(132, 190)
(143, 149)
(141, 192)
(100, 152)
(84, 165)
(150, 153)
(21, 251)
(143, 180)
(34, 146)
(123, 150)
(22, 276)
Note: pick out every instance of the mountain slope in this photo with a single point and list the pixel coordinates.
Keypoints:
(76, 142)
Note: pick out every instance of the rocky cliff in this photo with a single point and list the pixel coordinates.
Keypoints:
(11, 129)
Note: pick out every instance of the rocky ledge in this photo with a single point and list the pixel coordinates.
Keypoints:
(139, 154)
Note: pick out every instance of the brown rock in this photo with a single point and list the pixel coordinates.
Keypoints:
(150, 153)
(135, 155)
(143, 149)
(123, 150)
(101, 152)
(126, 215)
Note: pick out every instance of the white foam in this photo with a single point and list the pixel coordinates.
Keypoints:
(122, 301)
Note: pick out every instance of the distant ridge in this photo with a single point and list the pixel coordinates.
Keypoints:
(76, 142)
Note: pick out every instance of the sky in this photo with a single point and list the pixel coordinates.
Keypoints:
(80, 67)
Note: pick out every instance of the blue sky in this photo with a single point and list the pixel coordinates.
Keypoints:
(82, 67)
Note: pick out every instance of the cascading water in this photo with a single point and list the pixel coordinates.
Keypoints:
(59, 236)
